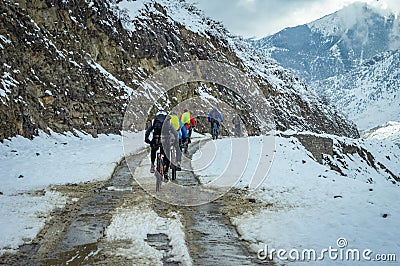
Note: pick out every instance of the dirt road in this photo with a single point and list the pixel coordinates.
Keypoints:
(75, 235)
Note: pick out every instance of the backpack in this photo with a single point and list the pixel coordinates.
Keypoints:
(175, 122)
(214, 114)
(186, 118)
(158, 123)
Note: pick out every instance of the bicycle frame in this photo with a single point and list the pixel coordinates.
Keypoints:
(159, 173)
(173, 162)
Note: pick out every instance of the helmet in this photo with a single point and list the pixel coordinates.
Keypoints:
(161, 112)
(185, 110)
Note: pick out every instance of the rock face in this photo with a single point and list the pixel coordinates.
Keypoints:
(317, 145)
(350, 157)
(69, 65)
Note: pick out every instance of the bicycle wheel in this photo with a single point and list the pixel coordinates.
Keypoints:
(173, 162)
(173, 169)
(159, 173)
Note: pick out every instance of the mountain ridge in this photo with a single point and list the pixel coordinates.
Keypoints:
(369, 94)
(335, 43)
(83, 60)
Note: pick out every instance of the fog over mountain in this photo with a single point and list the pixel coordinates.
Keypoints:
(335, 43)
(350, 58)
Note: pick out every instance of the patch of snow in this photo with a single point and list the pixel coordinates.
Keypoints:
(310, 206)
(28, 166)
(107, 74)
(388, 131)
(133, 223)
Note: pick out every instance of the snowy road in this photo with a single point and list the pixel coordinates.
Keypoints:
(111, 224)
(68, 215)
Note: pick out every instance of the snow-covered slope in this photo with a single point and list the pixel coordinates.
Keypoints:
(388, 131)
(369, 94)
(304, 204)
(334, 43)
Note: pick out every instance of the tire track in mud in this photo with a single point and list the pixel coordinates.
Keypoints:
(210, 237)
(74, 234)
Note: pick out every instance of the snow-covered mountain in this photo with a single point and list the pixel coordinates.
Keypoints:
(335, 43)
(369, 94)
(74, 64)
(388, 131)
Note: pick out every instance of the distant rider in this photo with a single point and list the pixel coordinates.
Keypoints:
(189, 122)
(214, 116)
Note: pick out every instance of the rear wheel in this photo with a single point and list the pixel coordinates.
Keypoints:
(173, 168)
(159, 172)
(173, 162)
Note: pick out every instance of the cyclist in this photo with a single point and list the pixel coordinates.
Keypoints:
(214, 116)
(189, 122)
(167, 132)
(183, 136)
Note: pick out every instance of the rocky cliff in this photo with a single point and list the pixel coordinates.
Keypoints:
(73, 65)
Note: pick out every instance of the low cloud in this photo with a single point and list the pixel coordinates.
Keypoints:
(259, 18)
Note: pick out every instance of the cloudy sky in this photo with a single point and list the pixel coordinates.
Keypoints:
(259, 18)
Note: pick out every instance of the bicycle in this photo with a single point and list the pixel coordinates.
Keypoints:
(161, 164)
(159, 173)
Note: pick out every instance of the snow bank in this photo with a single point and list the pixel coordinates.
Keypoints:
(310, 206)
(28, 166)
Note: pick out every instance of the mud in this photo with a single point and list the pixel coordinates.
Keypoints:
(75, 234)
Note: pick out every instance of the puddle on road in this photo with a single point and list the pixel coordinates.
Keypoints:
(79, 255)
(161, 243)
(213, 241)
(79, 243)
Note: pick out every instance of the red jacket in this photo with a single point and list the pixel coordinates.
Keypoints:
(187, 115)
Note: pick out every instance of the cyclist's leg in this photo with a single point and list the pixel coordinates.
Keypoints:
(166, 160)
(153, 154)
(190, 135)
(178, 151)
